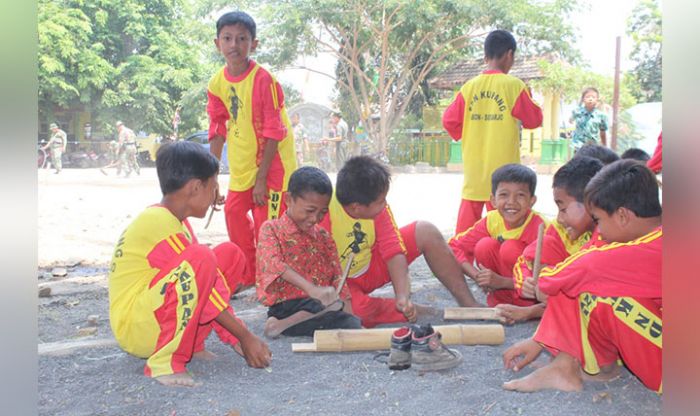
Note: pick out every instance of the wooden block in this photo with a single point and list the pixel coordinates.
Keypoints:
(304, 347)
(489, 314)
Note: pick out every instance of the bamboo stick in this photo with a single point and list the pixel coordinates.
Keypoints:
(488, 314)
(344, 340)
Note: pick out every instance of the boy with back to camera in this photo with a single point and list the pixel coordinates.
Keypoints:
(603, 303)
(486, 115)
(378, 252)
(298, 269)
(167, 291)
(246, 110)
(496, 241)
(572, 231)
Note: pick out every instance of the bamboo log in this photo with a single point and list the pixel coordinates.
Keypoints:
(537, 266)
(489, 314)
(344, 340)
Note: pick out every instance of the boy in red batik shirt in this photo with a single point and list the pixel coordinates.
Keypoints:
(166, 291)
(497, 240)
(572, 231)
(361, 223)
(486, 115)
(246, 110)
(298, 269)
(603, 303)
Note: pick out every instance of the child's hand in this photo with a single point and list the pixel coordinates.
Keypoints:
(407, 308)
(255, 351)
(324, 294)
(487, 279)
(528, 290)
(521, 354)
(260, 193)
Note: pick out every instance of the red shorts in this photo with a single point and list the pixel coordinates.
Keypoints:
(375, 310)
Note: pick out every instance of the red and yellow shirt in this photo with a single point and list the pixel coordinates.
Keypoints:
(249, 110)
(312, 254)
(492, 225)
(145, 248)
(631, 269)
(363, 237)
(484, 116)
(557, 246)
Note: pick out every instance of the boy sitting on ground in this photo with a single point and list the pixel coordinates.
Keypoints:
(166, 291)
(603, 303)
(298, 271)
(572, 231)
(378, 252)
(496, 241)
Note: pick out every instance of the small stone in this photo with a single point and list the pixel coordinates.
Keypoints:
(92, 320)
(84, 332)
(367, 394)
(44, 292)
(233, 412)
(59, 271)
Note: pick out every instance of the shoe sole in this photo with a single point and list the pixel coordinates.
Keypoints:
(443, 365)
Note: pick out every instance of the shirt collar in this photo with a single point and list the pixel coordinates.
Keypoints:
(290, 227)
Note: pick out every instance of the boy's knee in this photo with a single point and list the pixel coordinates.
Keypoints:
(427, 233)
(510, 250)
(487, 246)
(200, 256)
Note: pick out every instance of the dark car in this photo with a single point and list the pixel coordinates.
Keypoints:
(202, 137)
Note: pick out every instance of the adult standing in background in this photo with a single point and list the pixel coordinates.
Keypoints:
(57, 146)
(339, 129)
(127, 145)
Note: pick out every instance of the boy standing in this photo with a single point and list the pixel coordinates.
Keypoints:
(246, 110)
(298, 269)
(364, 230)
(166, 291)
(603, 303)
(127, 144)
(497, 240)
(484, 116)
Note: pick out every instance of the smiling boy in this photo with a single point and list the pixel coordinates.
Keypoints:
(298, 268)
(246, 110)
(496, 241)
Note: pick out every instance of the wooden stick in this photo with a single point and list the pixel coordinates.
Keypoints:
(537, 265)
(346, 272)
(62, 347)
(343, 340)
(211, 214)
(489, 314)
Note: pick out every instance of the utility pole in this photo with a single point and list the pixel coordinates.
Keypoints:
(616, 95)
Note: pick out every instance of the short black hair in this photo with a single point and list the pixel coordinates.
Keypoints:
(309, 179)
(626, 183)
(362, 179)
(178, 162)
(636, 154)
(596, 151)
(498, 43)
(514, 173)
(236, 18)
(587, 90)
(575, 175)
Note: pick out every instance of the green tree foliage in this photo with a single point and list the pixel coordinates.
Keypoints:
(387, 49)
(644, 25)
(129, 60)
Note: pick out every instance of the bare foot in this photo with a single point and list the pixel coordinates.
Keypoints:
(563, 373)
(177, 380)
(607, 373)
(204, 355)
(511, 314)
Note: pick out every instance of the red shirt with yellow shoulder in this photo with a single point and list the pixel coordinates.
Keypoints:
(492, 225)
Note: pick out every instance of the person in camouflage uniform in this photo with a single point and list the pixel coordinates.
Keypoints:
(57, 146)
(127, 144)
(114, 158)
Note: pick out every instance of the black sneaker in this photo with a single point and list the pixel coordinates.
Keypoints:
(400, 353)
(429, 353)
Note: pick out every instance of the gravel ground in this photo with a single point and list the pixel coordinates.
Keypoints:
(82, 212)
